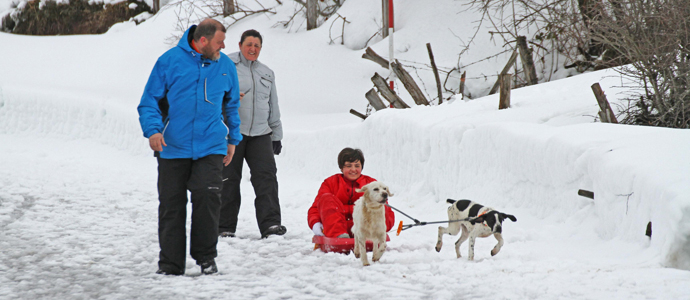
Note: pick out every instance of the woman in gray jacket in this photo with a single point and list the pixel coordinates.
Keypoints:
(261, 134)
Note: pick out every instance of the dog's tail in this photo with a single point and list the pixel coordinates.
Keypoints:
(511, 217)
(451, 201)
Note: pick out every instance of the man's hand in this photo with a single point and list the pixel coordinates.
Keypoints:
(157, 142)
(241, 96)
(228, 158)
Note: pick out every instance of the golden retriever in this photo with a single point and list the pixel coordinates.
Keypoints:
(369, 217)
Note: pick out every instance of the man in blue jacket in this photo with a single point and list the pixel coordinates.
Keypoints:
(189, 113)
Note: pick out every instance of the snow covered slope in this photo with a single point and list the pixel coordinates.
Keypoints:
(78, 197)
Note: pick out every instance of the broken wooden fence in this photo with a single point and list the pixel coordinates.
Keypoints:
(606, 113)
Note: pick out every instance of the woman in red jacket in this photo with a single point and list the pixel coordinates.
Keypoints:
(331, 212)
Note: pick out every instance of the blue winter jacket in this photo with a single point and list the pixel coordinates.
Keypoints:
(196, 92)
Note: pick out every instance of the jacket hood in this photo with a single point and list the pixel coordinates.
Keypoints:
(186, 38)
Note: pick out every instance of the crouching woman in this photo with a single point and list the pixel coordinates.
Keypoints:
(331, 213)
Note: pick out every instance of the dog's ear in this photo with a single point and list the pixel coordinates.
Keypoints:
(362, 190)
(477, 220)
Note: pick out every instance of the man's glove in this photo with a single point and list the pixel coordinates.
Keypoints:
(318, 229)
(277, 146)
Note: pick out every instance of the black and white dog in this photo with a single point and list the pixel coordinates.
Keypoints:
(476, 221)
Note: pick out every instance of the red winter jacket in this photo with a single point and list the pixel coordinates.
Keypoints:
(344, 190)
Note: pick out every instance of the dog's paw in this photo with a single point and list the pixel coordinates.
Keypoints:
(365, 264)
(494, 252)
(438, 247)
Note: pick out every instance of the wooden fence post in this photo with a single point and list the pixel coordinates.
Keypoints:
(462, 84)
(606, 113)
(505, 70)
(387, 93)
(527, 61)
(409, 83)
(356, 113)
(384, 9)
(648, 232)
(156, 6)
(586, 193)
(438, 80)
(375, 100)
(371, 55)
(228, 7)
(312, 14)
(504, 96)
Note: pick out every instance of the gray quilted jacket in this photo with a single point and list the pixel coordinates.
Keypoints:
(259, 112)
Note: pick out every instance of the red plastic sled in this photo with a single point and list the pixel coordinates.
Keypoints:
(339, 245)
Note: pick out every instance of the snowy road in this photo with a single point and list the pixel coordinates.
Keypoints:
(78, 221)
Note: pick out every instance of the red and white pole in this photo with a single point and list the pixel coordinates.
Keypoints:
(391, 52)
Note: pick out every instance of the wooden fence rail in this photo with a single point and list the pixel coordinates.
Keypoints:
(387, 93)
(409, 84)
(371, 55)
(505, 70)
(375, 100)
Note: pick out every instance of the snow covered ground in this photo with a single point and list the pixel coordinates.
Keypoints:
(78, 200)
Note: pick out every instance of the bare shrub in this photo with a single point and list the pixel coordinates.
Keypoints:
(646, 40)
(654, 36)
(325, 10)
(190, 12)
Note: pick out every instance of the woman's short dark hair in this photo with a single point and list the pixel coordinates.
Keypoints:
(350, 155)
(251, 32)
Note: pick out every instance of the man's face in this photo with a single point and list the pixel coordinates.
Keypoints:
(211, 48)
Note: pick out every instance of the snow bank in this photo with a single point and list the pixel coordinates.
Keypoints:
(529, 156)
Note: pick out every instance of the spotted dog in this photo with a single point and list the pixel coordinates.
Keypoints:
(477, 221)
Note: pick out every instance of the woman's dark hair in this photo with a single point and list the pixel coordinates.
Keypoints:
(251, 32)
(350, 155)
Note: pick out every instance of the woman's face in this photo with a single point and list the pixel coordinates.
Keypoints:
(250, 48)
(352, 170)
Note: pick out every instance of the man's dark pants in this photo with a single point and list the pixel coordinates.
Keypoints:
(258, 152)
(203, 178)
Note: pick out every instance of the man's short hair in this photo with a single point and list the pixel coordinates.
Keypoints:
(350, 155)
(207, 28)
(251, 32)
